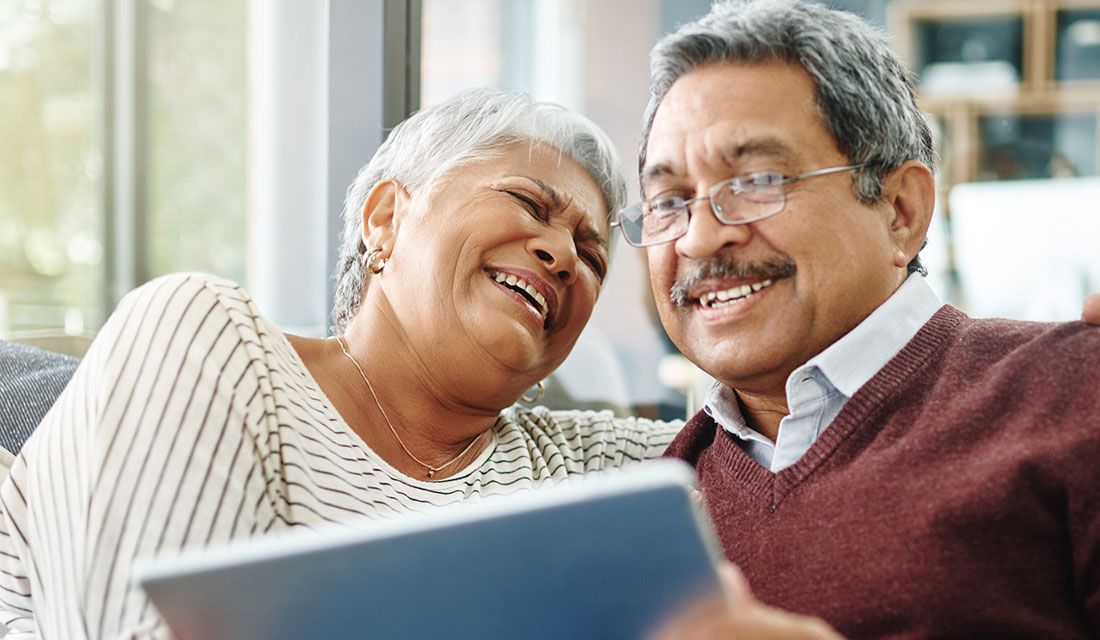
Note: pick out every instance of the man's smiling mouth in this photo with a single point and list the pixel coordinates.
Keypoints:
(710, 283)
(733, 295)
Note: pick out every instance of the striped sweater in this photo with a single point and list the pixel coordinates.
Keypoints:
(192, 421)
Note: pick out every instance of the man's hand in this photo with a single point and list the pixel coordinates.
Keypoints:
(1091, 314)
(742, 617)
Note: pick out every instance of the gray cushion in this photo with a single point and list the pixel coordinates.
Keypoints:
(30, 381)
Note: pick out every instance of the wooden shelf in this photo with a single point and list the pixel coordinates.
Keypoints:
(1035, 92)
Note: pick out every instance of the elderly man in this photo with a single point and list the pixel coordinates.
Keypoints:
(868, 455)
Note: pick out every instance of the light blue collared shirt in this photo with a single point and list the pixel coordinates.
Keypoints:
(819, 389)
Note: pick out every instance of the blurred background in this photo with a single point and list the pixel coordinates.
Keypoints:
(142, 137)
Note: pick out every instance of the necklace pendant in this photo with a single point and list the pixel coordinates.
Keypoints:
(431, 473)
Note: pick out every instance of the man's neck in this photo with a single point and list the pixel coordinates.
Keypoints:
(849, 361)
(764, 412)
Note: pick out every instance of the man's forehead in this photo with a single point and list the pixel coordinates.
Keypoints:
(732, 111)
(673, 163)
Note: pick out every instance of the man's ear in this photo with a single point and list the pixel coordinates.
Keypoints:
(381, 217)
(910, 192)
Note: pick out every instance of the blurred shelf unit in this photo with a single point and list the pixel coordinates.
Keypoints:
(1013, 85)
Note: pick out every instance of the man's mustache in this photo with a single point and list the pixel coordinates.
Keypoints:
(725, 266)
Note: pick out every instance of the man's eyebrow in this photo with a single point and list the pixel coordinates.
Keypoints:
(769, 147)
(659, 170)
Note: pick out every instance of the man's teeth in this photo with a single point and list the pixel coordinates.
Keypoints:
(733, 294)
(521, 285)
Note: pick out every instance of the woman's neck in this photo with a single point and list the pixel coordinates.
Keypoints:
(398, 410)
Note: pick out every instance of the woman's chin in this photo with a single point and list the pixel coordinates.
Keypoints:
(509, 345)
(521, 365)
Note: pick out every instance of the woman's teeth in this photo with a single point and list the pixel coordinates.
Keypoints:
(714, 299)
(521, 285)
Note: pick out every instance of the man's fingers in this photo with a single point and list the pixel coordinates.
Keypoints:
(699, 619)
(765, 623)
(740, 616)
(1091, 313)
(733, 581)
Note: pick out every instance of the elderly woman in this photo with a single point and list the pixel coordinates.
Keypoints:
(475, 245)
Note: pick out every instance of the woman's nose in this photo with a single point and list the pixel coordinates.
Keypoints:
(557, 255)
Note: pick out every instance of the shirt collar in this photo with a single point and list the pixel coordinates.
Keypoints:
(722, 405)
(851, 361)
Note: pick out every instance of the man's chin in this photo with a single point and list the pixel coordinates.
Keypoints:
(742, 364)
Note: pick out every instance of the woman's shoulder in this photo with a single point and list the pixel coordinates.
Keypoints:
(196, 284)
(604, 419)
(178, 296)
(186, 310)
(592, 426)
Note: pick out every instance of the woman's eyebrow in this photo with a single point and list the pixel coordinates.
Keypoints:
(585, 231)
(587, 234)
(557, 202)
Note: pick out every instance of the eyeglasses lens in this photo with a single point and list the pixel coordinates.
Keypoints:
(734, 205)
(664, 226)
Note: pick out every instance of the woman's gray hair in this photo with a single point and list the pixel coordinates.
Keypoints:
(865, 94)
(469, 127)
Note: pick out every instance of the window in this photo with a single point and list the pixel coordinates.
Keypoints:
(62, 115)
(51, 167)
(197, 147)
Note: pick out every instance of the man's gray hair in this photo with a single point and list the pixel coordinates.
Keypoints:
(865, 94)
(469, 127)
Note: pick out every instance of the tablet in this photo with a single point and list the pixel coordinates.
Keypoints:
(610, 556)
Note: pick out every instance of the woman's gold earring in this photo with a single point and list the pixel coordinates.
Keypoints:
(373, 261)
(540, 390)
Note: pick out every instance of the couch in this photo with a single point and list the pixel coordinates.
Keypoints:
(30, 381)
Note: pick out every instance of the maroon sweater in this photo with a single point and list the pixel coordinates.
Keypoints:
(957, 494)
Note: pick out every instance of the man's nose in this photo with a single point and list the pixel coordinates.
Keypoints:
(706, 235)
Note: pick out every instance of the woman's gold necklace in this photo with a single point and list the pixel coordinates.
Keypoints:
(431, 471)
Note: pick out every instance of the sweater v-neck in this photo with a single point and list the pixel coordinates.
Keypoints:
(857, 416)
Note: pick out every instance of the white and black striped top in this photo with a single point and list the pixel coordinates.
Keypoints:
(192, 421)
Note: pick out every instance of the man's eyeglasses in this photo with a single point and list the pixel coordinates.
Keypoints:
(742, 199)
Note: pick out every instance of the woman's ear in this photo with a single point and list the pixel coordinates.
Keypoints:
(382, 215)
(910, 192)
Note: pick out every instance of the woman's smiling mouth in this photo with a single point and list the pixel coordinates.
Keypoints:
(527, 290)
